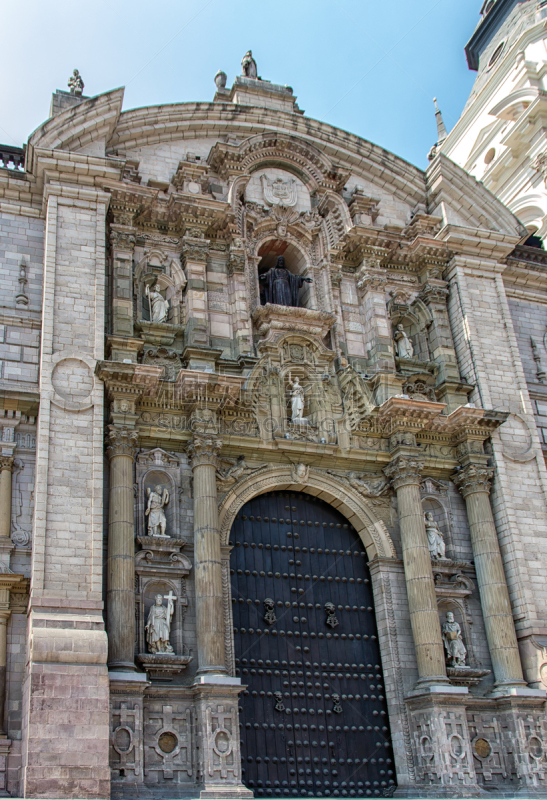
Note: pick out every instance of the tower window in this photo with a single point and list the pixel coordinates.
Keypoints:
(490, 156)
(496, 54)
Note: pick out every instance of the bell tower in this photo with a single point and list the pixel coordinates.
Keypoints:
(501, 137)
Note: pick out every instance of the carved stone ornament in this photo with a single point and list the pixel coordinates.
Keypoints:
(204, 449)
(403, 471)
(121, 441)
(372, 282)
(431, 293)
(473, 478)
(300, 473)
(235, 472)
(278, 192)
(6, 462)
(195, 250)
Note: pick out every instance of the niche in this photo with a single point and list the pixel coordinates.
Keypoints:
(158, 468)
(295, 262)
(440, 515)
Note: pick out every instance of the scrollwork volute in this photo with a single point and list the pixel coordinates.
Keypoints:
(473, 478)
(204, 449)
(121, 441)
(404, 471)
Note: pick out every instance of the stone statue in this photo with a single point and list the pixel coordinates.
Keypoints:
(158, 625)
(297, 400)
(159, 308)
(158, 497)
(403, 345)
(453, 643)
(76, 84)
(435, 539)
(239, 469)
(248, 65)
(280, 286)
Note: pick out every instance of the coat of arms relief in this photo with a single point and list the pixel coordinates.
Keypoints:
(278, 192)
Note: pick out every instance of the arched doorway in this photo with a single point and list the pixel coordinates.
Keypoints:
(313, 717)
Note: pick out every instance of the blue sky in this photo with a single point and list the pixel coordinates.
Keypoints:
(368, 67)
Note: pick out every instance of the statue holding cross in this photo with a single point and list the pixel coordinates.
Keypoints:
(158, 624)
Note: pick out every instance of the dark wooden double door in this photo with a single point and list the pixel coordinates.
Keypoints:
(313, 718)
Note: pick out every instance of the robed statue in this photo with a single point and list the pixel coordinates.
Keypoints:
(281, 287)
(453, 643)
(248, 65)
(159, 308)
(158, 497)
(158, 625)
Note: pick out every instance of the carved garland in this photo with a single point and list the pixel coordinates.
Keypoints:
(372, 531)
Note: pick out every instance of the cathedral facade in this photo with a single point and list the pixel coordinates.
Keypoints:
(273, 491)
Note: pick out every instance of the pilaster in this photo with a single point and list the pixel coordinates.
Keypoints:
(195, 252)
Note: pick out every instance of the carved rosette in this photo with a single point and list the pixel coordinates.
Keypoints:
(473, 478)
(404, 471)
(204, 450)
(121, 441)
(6, 462)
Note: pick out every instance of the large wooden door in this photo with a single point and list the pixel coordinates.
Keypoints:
(313, 717)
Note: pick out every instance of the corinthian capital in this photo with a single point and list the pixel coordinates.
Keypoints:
(473, 478)
(404, 471)
(204, 449)
(121, 441)
(6, 462)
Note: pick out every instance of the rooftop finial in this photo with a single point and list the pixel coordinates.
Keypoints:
(76, 84)
(441, 130)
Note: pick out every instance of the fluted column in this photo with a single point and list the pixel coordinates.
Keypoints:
(203, 452)
(120, 593)
(405, 475)
(473, 482)
(6, 470)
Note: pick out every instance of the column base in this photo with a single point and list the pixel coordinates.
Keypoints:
(470, 792)
(516, 689)
(220, 791)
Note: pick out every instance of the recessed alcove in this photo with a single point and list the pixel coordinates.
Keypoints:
(295, 261)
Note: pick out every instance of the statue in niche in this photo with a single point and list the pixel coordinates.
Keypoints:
(248, 65)
(239, 469)
(158, 624)
(158, 497)
(435, 539)
(456, 651)
(297, 400)
(403, 345)
(76, 84)
(159, 308)
(280, 286)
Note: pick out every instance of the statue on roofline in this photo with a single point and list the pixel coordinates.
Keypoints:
(248, 65)
(76, 84)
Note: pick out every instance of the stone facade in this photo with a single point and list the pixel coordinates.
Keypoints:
(130, 446)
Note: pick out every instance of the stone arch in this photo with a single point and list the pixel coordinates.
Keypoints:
(372, 531)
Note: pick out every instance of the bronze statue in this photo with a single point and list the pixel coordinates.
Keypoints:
(280, 286)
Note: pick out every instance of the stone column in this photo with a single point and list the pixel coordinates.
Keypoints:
(120, 594)
(6, 470)
(405, 474)
(203, 452)
(473, 482)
